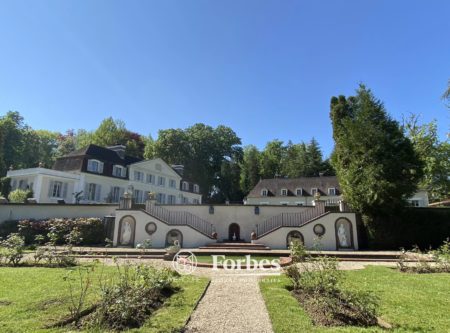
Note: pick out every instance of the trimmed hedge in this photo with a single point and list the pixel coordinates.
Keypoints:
(91, 229)
(424, 227)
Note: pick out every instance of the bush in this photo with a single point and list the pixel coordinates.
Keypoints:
(20, 196)
(5, 186)
(12, 251)
(128, 301)
(90, 230)
(318, 286)
(8, 227)
(422, 227)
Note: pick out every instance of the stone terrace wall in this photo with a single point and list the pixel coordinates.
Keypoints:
(42, 211)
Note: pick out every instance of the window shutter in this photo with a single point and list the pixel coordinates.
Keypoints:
(100, 167)
(50, 188)
(64, 190)
(86, 191)
(98, 191)
(89, 165)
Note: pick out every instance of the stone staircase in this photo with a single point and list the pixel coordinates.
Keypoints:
(235, 246)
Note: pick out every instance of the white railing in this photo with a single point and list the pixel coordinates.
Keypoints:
(288, 220)
(181, 218)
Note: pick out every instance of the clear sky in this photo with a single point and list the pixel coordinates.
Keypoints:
(267, 69)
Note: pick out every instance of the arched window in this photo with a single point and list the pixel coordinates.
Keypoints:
(174, 237)
(294, 236)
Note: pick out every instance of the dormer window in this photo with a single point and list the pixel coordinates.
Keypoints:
(332, 191)
(299, 192)
(119, 171)
(284, 192)
(264, 192)
(314, 191)
(185, 186)
(95, 166)
(196, 188)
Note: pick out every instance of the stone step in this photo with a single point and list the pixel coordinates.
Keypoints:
(237, 246)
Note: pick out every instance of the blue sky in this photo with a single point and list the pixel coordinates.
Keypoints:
(267, 69)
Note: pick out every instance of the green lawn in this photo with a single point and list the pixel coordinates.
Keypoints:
(30, 298)
(410, 302)
(209, 259)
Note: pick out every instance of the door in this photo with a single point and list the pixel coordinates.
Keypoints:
(234, 232)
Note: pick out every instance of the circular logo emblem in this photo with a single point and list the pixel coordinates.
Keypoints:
(319, 230)
(184, 262)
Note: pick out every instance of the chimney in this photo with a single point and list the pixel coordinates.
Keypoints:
(178, 169)
(119, 149)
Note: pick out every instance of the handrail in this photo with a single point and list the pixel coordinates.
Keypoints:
(181, 218)
(288, 220)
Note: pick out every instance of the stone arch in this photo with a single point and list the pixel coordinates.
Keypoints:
(234, 230)
(344, 233)
(174, 235)
(126, 231)
(294, 235)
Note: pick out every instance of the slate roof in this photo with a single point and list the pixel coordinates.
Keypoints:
(275, 185)
(103, 154)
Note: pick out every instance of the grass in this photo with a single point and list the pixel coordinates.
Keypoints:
(209, 258)
(409, 302)
(31, 298)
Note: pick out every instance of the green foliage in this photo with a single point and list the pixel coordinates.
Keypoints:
(127, 301)
(202, 150)
(424, 227)
(250, 169)
(83, 231)
(5, 186)
(376, 164)
(319, 286)
(12, 249)
(298, 251)
(435, 156)
(20, 196)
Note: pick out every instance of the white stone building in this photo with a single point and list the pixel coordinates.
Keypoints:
(301, 191)
(101, 175)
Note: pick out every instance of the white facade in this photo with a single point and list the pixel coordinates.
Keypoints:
(155, 175)
(223, 217)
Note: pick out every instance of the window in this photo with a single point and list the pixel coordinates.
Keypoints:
(172, 183)
(196, 188)
(171, 200)
(93, 192)
(299, 191)
(138, 176)
(13, 184)
(284, 192)
(161, 198)
(313, 191)
(332, 191)
(150, 179)
(95, 166)
(185, 200)
(195, 201)
(185, 186)
(161, 181)
(115, 193)
(414, 203)
(264, 193)
(57, 189)
(119, 171)
(138, 196)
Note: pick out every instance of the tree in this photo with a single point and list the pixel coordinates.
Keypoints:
(446, 95)
(435, 156)
(250, 169)
(201, 149)
(149, 147)
(272, 158)
(376, 164)
(314, 162)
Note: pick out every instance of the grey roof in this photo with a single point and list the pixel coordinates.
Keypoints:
(275, 185)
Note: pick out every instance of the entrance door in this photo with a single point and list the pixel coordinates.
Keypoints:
(234, 232)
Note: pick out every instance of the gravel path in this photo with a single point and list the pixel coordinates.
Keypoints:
(232, 304)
